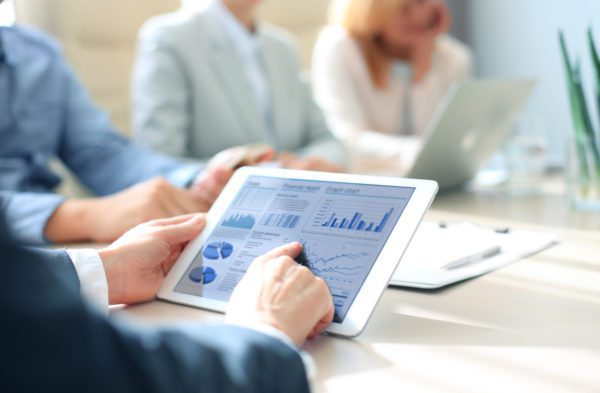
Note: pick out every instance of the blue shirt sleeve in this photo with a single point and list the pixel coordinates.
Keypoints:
(103, 160)
(28, 213)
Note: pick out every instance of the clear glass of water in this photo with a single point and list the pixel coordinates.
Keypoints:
(526, 158)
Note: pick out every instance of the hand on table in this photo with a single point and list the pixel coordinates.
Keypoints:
(279, 292)
(209, 184)
(105, 219)
(137, 263)
(244, 155)
(291, 161)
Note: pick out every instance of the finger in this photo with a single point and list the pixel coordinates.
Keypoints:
(174, 220)
(291, 250)
(316, 164)
(187, 201)
(268, 155)
(211, 185)
(278, 268)
(170, 260)
(168, 203)
(157, 204)
(222, 174)
(206, 196)
(321, 325)
(287, 159)
(217, 176)
(184, 231)
(179, 201)
(286, 155)
(322, 291)
(295, 280)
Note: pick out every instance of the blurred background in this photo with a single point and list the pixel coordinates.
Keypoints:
(510, 38)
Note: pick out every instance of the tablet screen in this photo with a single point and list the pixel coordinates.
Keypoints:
(343, 227)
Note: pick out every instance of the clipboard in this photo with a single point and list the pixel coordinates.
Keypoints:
(433, 259)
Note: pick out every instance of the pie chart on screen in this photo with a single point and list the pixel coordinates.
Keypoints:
(203, 275)
(217, 250)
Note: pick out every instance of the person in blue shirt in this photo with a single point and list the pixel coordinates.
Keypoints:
(45, 113)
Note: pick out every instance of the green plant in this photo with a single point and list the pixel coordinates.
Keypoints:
(596, 62)
(587, 139)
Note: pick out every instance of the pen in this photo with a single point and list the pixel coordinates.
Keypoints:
(302, 260)
(501, 230)
(472, 259)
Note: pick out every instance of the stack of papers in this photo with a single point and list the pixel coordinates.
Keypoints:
(442, 255)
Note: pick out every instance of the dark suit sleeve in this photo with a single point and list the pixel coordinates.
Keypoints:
(52, 342)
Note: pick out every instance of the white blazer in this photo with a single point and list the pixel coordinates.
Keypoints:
(192, 99)
(368, 119)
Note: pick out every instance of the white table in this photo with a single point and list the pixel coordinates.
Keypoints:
(531, 327)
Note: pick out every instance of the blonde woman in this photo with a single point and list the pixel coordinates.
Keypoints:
(380, 70)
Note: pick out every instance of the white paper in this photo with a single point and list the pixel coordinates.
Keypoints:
(434, 247)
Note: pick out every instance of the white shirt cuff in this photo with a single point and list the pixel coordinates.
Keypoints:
(92, 277)
(309, 364)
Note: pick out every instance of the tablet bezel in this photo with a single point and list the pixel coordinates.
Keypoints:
(377, 279)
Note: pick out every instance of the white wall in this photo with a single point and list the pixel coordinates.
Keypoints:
(7, 14)
(519, 38)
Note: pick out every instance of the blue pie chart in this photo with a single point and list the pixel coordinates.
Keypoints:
(203, 275)
(217, 250)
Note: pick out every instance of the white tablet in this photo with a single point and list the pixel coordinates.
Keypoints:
(354, 230)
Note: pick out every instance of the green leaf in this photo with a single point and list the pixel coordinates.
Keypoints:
(578, 112)
(590, 137)
(594, 51)
(596, 64)
(583, 107)
(573, 98)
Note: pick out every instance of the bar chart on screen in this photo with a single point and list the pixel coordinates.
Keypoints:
(349, 216)
(240, 221)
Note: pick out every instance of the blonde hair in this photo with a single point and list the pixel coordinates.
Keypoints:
(364, 20)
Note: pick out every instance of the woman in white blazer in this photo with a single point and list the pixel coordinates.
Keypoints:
(214, 78)
(380, 70)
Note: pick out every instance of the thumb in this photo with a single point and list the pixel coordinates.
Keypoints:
(221, 174)
(268, 155)
(183, 232)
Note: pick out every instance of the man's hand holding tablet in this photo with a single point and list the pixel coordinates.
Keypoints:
(276, 291)
(281, 293)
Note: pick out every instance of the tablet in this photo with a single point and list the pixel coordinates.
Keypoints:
(354, 230)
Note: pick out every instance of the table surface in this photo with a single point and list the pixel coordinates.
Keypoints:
(532, 326)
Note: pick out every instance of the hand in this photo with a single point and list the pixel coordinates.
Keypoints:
(438, 21)
(279, 292)
(105, 219)
(442, 19)
(209, 184)
(245, 155)
(137, 263)
(291, 161)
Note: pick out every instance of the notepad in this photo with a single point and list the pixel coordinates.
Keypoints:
(440, 256)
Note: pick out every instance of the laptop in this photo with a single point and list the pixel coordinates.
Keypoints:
(474, 119)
